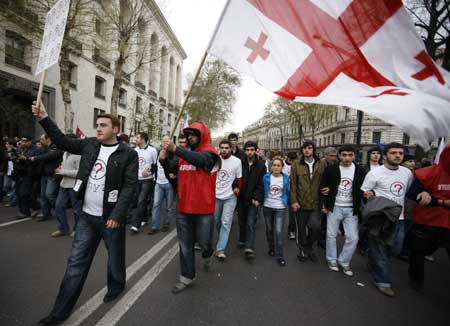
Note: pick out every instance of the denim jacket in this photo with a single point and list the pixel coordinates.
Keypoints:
(286, 191)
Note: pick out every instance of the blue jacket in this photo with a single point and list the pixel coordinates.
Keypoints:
(286, 191)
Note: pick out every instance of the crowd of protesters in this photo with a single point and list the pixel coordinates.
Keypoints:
(392, 206)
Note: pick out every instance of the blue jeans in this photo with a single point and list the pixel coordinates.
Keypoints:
(274, 218)
(350, 222)
(162, 191)
(380, 253)
(193, 228)
(64, 195)
(49, 190)
(143, 191)
(9, 187)
(224, 219)
(90, 230)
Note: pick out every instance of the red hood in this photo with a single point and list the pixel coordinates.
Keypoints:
(205, 137)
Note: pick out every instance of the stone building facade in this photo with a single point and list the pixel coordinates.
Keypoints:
(340, 127)
(152, 93)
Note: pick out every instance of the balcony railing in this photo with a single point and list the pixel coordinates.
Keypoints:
(151, 92)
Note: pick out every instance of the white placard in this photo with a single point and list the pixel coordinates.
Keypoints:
(55, 25)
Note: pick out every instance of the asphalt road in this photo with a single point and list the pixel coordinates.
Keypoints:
(235, 292)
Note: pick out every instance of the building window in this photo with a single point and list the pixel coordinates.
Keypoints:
(122, 97)
(169, 119)
(355, 137)
(376, 137)
(320, 142)
(161, 116)
(138, 104)
(122, 120)
(98, 26)
(347, 111)
(137, 127)
(405, 139)
(332, 140)
(16, 50)
(100, 87)
(343, 138)
(97, 112)
(73, 75)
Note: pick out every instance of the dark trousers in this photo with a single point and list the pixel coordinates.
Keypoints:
(193, 228)
(90, 230)
(291, 225)
(323, 231)
(424, 240)
(143, 192)
(308, 228)
(25, 200)
(248, 215)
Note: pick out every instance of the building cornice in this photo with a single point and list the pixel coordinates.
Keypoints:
(165, 25)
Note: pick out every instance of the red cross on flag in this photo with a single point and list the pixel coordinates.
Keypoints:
(364, 54)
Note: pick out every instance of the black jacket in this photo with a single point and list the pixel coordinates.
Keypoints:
(49, 159)
(380, 216)
(3, 161)
(252, 181)
(121, 169)
(239, 153)
(332, 178)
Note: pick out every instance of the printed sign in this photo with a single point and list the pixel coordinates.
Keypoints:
(55, 25)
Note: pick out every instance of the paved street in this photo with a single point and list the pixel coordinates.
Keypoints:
(233, 293)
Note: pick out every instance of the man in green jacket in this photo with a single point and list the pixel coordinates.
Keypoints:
(306, 175)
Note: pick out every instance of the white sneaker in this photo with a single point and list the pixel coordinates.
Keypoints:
(333, 266)
(347, 270)
(134, 229)
(221, 255)
(429, 258)
(292, 235)
(143, 223)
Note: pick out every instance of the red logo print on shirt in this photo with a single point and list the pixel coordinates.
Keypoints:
(346, 184)
(397, 189)
(98, 170)
(275, 190)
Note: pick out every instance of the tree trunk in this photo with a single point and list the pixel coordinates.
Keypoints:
(64, 82)
(118, 71)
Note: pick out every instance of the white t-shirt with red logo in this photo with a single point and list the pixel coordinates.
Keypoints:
(147, 157)
(344, 197)
(231, 169)
(391, 184)
(95, 189)
(274, 198)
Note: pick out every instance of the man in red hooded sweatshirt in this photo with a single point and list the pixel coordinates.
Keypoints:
(431, 228)
(197, 168)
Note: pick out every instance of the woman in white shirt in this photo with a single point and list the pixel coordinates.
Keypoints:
(276, 194)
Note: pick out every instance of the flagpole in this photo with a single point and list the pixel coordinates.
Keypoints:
(41, 88)
(180, 114)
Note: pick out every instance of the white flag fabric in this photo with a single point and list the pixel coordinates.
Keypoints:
(55, 26)
(440, 150)
(363, 54)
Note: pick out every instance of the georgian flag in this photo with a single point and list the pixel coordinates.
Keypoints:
(364, 54)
